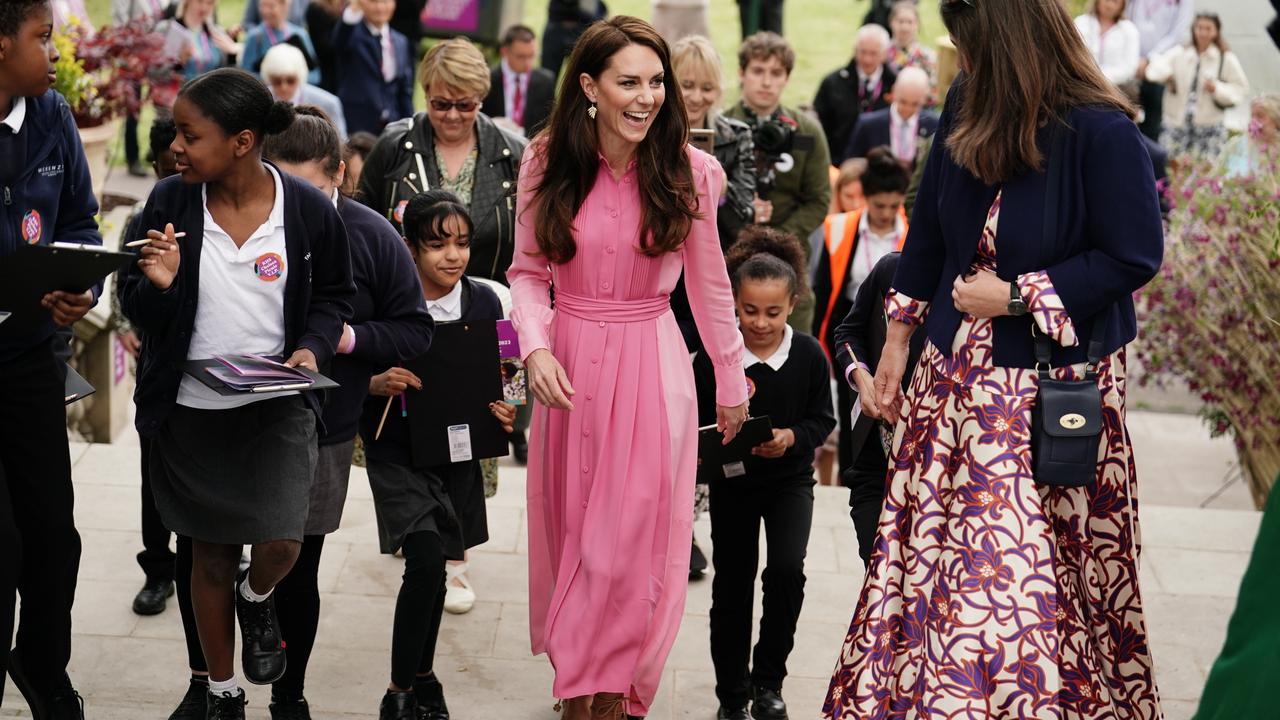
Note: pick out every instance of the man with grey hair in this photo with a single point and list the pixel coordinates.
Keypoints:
(901, 126)
(863, 86)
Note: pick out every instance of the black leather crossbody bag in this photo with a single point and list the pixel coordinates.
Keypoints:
(1066, 422)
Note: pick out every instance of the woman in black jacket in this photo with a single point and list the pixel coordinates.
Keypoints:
(455, 147)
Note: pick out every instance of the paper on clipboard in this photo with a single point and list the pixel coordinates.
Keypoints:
(176, 40)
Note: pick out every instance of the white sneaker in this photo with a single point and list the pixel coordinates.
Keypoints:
(459, 598)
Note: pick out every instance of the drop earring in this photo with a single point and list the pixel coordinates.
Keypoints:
(591, 111)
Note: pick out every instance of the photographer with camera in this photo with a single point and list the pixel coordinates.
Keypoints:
(793, 189)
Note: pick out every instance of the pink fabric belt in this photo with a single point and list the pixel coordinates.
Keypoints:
(618, 311)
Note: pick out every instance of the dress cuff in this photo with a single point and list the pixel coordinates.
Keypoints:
(1045, 305)
(533, 326)
(905, 309)
(731, 385)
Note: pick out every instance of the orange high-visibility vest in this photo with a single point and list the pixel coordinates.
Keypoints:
(840, 234)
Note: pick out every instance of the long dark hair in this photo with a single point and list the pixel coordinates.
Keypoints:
(1027, 66)
(569, 148)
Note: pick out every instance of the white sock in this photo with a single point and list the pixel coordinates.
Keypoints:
(220, 687)
(247, 592)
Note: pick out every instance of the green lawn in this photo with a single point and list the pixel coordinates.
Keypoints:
(823, 31)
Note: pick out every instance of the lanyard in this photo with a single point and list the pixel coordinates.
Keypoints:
(271, 36)
(204, 53)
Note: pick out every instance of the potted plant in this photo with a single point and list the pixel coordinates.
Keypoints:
(1212, 316)
(108, 74)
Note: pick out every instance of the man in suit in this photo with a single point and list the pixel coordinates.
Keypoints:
(519, 91)
(375, 75)
(901, 125)
(862, 86)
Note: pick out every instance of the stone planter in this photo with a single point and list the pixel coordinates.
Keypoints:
(97, 148)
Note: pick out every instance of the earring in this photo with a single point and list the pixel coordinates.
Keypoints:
(591, 111)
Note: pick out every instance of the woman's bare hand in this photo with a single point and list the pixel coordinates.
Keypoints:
(548, 380)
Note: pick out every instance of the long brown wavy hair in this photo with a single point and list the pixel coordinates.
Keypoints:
(569, 147)
(1026, 65)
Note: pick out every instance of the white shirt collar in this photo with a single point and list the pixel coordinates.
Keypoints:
(449, 307)
(17, 114)
(376, 30)
(334, 198)
(864, 229)
(779, 356)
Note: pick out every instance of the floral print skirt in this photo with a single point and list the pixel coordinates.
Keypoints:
(988, 596)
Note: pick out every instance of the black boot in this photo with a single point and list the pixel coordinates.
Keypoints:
(768, 705)
(262, 651)
(430, 695)
(152, 598)
(289, 708)
(225, 706)
(195, 704)
(398, 706)
(726, 714)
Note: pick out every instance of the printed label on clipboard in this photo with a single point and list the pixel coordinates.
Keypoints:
(459, 443)
(733, 469)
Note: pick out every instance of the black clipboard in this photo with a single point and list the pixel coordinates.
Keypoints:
(31, 271)
(199, 369)
(76, 387)
(717, 461)
(460, 377)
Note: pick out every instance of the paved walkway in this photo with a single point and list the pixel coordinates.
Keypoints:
(131, 668)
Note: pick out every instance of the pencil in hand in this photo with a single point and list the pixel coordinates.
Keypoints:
(148, 241)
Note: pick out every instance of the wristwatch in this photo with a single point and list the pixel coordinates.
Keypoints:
(1017, 306)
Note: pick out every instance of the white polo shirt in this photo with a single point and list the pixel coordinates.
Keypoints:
(240, 308)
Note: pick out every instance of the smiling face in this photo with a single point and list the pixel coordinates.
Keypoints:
(701, 91)
(202, 150)
(451, 126)
(763, 309)
(28, 56)
(442, 260)
(869, 54)
(762, 84)
(628, 94)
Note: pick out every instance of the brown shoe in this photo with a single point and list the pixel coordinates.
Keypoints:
(607, 706)
(578, 708)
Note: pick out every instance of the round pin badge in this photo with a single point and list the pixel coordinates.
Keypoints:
(268, 267)
(31, 227)
(399, 211)
(751, 388)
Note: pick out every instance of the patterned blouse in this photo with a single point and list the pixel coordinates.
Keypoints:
(462, 183)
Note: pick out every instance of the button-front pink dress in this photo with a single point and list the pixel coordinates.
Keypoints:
(610, 484)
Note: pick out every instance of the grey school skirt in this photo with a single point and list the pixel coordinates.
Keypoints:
(329, 490)
(239, 476)
(447, 500)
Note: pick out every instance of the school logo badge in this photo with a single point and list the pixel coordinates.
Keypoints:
(31, 227)
(751, 388)
(399, 211)
(268, 267)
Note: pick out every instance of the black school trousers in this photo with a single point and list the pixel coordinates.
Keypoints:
(865, 479)
(738, 507)
(39, 544)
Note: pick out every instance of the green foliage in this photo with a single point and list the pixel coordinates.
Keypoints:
(73, 82)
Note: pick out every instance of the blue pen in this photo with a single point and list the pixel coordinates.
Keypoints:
(404, 406)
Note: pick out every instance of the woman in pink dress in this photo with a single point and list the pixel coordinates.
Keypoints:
(613, 205)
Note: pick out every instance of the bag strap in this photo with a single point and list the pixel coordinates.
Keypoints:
(1053, 181)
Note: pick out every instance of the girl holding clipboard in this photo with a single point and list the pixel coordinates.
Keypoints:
(263, 268)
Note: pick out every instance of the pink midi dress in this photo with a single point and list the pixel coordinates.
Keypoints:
(610, 483)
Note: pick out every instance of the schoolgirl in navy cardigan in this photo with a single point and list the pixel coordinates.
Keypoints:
(1095, 260)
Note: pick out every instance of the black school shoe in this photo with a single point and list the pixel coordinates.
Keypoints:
(430, 695)
(289, 709)
(739, 714)
(398, 706)
(262, 649)
(768, 705)
(520, 448)
(153, 597)
(225, 706)
(61, 703)
(195, 704)
(697, 562)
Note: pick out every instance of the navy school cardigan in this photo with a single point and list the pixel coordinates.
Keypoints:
(389, 316)
(317, 292)
(1109, 240)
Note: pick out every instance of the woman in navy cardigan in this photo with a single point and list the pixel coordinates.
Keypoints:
(1038, 213)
